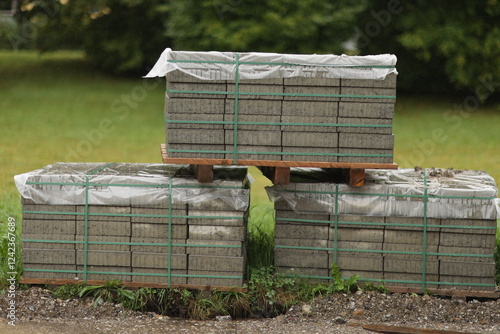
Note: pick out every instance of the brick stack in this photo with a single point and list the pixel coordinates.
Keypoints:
(136, 233)
(298, 118)
(378, 231)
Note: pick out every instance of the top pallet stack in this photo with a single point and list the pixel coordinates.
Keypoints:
(258, 108)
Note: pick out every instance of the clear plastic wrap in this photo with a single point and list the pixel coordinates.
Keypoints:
(128, 184)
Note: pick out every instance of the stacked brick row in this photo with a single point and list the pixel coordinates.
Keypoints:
(445, 250)
(200, 242)
(283, 119)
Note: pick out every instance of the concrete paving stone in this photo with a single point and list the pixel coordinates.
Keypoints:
(205, 90)
(412, 280)
(50, 273)
(45, 226)
(48, 256)
(104, 258)
(362, 140)
(468, 240)
(325, 121)
(388, 82)
(410, 248)
(468, 251)
(124, 245)
(411, 266)
(178, 76)
(319, 275)
(299, 242)
(357, 234)
(195, 136)
(219, 280)
(257, 138)
(311, 93)
(156, 248)
(310, 109)
(230, 233)
(476, 283)
(256, 91)
(356, 94)
(305, 205)
(123, 273)
(476, 226)
(237, 247)
(153, 215)
(148, 230)
(105, 213)
(373, 222)
(102, 228)
(216, 218)
(410, 237)
(254, 107)
(159, 275)
(360, 125)
(190, 106)
(254, 152)
(217, 204)
(301, 258)
(310, 139)
(470, 269)
(159, 261)
(302, 219)
(393, 223)
(366, 155)
(361, 262)
(200, 151)
(48, 237)
(366, 109)
(301, 230)
(311, 81)
(194, 121)
(55, 212)
(217, 263)
(357, 248)
(253, 119)
(314, 154)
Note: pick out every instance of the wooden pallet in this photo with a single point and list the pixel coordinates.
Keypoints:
(277, 171)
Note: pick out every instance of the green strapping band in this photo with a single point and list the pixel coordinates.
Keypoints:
(169, 262)
(336, 216)
(424, 239)
(236, 106)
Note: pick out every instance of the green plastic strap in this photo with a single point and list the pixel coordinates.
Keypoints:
(336, 216)
(236, 106)
(424, 239)
(169, 262)
(86, 230)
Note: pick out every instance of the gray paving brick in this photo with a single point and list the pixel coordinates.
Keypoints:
(310, 108)
(205, 90)
(158, 261)
(97, 273)
(253, 119)
(249, 91)
(356, 94)
(237, 248)
(412, 280)
(103, 228)
(361, 140)
(49, 256)
(156, 248)
(363, 155)
(366, 109)
(216, 218)
(159, 275)
(48, 237)
(360, 125)
(467, 269)
(254, 152)
(194, 121)
(410, 237)
(412, 266)
(50, 272)
(195, 136)
(216, 264)
(321, 154)
(53, 212)
(310, 93)
(301, 258)
(324, 121)
(101, 246)
(158, 216)
(455, 250)
(254, 107)
(311, 81)
(467, 240)
(190, 106)
(39, 226)
(310, 139)
(104, 258)
(388, 82)
(232, 233)
(258, 138)
(196, 151)
(410, 248)
(393, 223)
(148, 230)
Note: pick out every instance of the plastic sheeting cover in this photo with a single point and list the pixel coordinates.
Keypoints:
(456, 194)
(128, 184)
(256, 65)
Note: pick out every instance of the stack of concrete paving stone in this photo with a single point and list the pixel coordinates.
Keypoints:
(403, 228)
(134, 222)
(310, 113)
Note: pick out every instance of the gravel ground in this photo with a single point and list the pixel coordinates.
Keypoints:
(37, 311)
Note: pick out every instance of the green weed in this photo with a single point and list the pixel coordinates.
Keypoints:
(111, 292)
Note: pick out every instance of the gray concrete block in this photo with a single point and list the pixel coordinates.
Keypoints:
(216, 264)
(311, 93)
(412, 280)
(148, 230)
(195, 136)
(311, 81)
(39, 226)
(178, 76)
(410, 248)
(196, 151)
(99, 243)
(394, 222)
(158, 261)
(230, 233)
(313, 154)
(359, 262)
(412, 266)
(468, 240)
(366, 109)
(358, 234)
(361, 94)
(301, 258)
(205, 90)
(159, 275)
(215, 247)
(456, 250)
(358, 249)
(254, 152)
(155, 247)
(467, 269)
(299, 243)
(361, 140)
(254, 107)
(197, 120)
(302, 219)
(51, 212)
(197, 278)
(258, 138)
(158, 216)
(51, 241)
(310, 109)
(249, 91)
(48, 271)
(356, 221)
(103, 213)
(388, 82)
(217, 204)
(216, 218)
(410, 237)
(253, 119)
(461, 283)
(103, 228)
(360, 125)
(48, 256)
(104, 258)
(302, 231)
(113, 273)
(363, 155)
(190, 106)
(324, 121)
(310, 139)
(471, 226)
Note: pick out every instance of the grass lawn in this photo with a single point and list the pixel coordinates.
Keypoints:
(57, 108)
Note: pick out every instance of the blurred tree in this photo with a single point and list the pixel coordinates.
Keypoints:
(441, 45)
